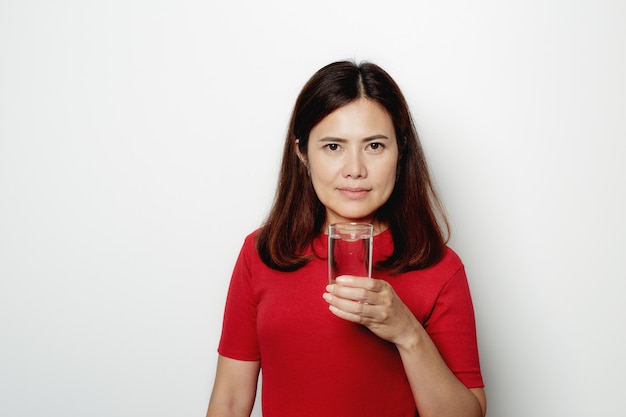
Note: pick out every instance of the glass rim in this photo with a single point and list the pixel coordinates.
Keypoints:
(353, 224)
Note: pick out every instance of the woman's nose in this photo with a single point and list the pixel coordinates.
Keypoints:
(354, 166)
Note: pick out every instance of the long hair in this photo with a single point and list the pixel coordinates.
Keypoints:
(413, 213)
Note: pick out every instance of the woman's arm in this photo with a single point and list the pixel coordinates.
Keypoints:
(234, 389)
(436, 390)
(374, 304)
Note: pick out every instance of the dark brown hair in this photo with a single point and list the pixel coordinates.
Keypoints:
(413, 213)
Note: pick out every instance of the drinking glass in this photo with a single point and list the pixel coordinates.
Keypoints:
(350, 250)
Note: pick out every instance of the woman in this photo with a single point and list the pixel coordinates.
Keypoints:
(400, 344)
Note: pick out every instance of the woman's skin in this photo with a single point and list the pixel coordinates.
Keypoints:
(352, 157)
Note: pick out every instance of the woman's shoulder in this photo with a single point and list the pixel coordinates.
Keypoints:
(248, 253)
(450, 261)
(450, 256)
(250, 239)
(254, 233)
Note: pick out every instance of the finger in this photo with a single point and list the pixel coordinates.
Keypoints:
(350, 293)
(355, 318)
(370, 284)
(352, 308)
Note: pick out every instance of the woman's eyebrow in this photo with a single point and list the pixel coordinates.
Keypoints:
(342, 140)
(375, 137)
(332, 139)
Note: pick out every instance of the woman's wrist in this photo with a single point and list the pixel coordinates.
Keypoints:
(412, 339)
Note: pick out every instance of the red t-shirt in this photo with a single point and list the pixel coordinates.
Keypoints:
(316, 364)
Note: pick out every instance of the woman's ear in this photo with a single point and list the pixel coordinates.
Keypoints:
(300, 155)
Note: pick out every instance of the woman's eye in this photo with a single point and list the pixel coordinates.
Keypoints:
(332, 146)
(376, 146)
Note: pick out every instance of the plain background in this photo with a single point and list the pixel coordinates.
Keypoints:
(140, 141)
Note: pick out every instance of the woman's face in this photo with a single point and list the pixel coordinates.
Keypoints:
(352, 158)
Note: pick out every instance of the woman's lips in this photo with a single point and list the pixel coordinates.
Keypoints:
(353, 193)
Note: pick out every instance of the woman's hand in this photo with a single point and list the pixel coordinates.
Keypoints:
(374, 304)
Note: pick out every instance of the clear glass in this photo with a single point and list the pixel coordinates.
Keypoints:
(350, 250)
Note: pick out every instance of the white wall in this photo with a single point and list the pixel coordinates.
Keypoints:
(139, 144)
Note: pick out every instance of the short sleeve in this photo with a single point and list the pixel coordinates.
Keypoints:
(239, 335)
(452, 327)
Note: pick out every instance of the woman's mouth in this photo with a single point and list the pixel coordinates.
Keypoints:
(353, 193)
